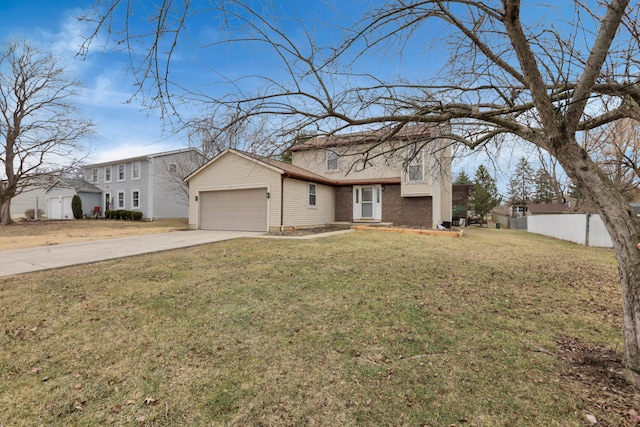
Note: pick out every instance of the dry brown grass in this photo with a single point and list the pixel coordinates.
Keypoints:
(358, 329)
(43, 233)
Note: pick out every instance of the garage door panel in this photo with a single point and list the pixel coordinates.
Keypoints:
(244, 210)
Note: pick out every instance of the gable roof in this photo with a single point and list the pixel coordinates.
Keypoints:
(547, 208)
(406, 134)
(290, 171)
(80, 185)
(145, 157)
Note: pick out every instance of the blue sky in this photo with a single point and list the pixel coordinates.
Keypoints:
(124, 127)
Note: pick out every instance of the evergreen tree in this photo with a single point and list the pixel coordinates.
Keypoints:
(76, 206)
(544, 188)
(463, 178)
(522, 184)
(484, 196)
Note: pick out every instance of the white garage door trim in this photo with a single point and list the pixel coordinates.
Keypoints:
(241, 210)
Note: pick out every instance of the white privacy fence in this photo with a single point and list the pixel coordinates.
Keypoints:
(584, 229)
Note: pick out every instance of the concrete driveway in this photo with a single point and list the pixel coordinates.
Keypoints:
(26, 260)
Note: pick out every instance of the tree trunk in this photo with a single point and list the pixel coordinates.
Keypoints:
(5, 211)
(624, 227)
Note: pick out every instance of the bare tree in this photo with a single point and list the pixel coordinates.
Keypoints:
(616, 149)
(545, 83)
(38, 125)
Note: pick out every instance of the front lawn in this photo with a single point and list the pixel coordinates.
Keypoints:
(28, 234)
(360, 329)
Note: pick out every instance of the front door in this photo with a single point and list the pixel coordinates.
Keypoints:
(107, 201)
(367, 204)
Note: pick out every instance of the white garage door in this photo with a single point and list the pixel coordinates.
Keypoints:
(60, 208)
(244, 210)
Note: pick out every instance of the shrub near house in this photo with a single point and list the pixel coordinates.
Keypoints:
(123, 214)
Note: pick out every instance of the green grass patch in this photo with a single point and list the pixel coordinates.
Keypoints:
(359, 329)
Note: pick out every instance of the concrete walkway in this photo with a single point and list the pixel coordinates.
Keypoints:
(26, 260)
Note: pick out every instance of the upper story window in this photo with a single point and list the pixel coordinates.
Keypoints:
(135, 170)
(121, 175)
(94, 175)
(415, 169)
(332, 160)
(107, 174)
(173, 167)
(312, 195)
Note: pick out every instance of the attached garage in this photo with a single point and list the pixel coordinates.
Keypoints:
(246, 192)
(242, 210)
(59, 208)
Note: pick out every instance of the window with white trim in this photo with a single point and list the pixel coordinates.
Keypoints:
(312, 195)
(332, 160)
(135, 170)
(135, 199)
(415, 169)
(94, 175)
(107, 174)
(120, 199)
(121, 173)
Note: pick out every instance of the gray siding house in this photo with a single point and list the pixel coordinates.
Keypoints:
(152, 184)
(51, 197)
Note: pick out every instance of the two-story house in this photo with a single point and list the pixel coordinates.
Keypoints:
(152, 184)
(361, 177)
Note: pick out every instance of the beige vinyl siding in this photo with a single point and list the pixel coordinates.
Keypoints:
(379, 167)
(447, 197)
(232, 171)
(437, 166)
(298, 213)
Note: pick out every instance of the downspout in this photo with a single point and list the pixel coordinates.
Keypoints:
(151, 172)
(282, 202)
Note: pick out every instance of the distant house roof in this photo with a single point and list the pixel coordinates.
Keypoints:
(146, 157)
(408, 133)
(501, 210)
(80, 185)
(547, 208)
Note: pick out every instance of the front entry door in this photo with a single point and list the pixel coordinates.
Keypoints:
(367, 204)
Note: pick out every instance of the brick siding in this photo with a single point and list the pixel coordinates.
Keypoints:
(406, 211)
(401, 211)
(344, 204)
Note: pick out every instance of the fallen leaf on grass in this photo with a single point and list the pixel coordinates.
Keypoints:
(591, 419)
(150, 401)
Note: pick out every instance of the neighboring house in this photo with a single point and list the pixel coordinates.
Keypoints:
(32, 197)
(52, 197)
(349, 178)
(60, 193)
(501, 215)
(546, 208)
(152, 184)
(514, 217)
